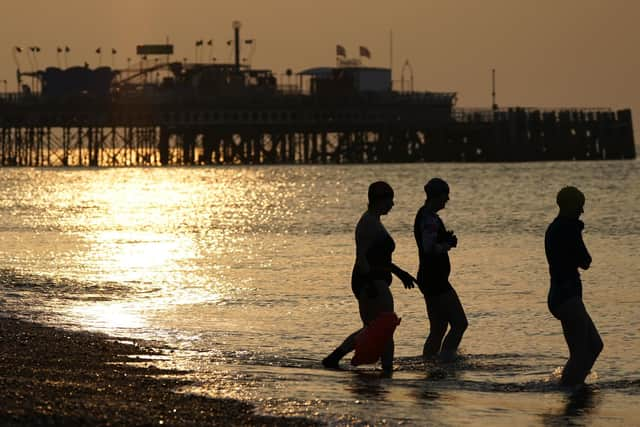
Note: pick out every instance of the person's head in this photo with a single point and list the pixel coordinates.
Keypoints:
(570, 200)
(437, 191)
(380, 196)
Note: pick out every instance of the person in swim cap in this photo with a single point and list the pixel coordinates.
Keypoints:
(371, 275)
(571, 201)
(566, 253)
(434, 242)
(379, 190)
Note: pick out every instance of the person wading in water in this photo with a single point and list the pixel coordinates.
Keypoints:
(443, 305)
(566, 253)
(371, 275)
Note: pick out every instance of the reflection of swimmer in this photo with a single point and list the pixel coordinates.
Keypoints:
(368, 385)
(579, 404)
(566, 252)
(371, 276)
(443, 305)
(581, 401)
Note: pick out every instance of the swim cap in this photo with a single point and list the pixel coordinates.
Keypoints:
(379, 190)
(436, 187)
(570, 198)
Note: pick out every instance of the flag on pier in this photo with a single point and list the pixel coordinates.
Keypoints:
(365, 52)
(341, 51)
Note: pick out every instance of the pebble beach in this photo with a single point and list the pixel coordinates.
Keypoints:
(51, 376)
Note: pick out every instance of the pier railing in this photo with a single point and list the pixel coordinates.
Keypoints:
(483, 115)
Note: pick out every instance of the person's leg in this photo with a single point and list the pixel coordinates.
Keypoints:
(366, 307)
(595, 343)
(369, 308)
(458, 321)
(574, 317)
(384, 303)
(437, 327)
(332, 361)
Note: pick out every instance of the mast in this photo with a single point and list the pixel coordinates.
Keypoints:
(494, 106)
(236, 34)
(391, 55)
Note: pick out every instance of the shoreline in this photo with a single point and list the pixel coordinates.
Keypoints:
(50, 376)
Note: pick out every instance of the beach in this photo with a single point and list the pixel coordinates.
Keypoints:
(234, 283)
(52, 376)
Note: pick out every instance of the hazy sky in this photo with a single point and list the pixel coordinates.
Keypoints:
(547, 53)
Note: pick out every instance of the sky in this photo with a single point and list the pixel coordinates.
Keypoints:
(546, 53)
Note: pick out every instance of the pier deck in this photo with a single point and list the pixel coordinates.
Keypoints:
(295, 128)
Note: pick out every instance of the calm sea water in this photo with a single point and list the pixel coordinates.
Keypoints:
(243, 272)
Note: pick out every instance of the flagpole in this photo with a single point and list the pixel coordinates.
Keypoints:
(391, 56)
(166, 42)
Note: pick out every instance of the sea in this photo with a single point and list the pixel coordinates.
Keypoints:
(241, 274)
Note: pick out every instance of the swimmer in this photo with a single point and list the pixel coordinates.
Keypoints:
(434, 242)
(372, 273)
(566, 253)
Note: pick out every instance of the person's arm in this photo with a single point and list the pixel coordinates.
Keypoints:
(364, 239)
(407, 279)
(583, 257)
(429, 235)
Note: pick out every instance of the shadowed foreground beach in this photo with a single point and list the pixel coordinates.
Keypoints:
(50, 376)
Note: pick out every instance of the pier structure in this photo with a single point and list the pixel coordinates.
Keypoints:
(531, 134)
(163, 113)
(287, 129)
(292, 129)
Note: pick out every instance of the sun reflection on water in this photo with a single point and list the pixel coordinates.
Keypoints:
(109, 316)
(153, 236)
(134, 256)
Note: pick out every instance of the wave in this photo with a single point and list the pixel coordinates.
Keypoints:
(17, 283)
(413, 372)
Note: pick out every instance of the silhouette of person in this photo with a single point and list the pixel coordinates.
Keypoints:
(443, 305)
(566, 252)
(371, 275)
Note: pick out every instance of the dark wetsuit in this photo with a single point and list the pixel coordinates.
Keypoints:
(434, 270)
(565, 252)
(444, 309)
(379, 259)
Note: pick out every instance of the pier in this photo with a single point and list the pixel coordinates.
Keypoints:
(298, 129)
(164, 113)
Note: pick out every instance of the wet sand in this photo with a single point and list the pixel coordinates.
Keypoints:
(50, 376)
